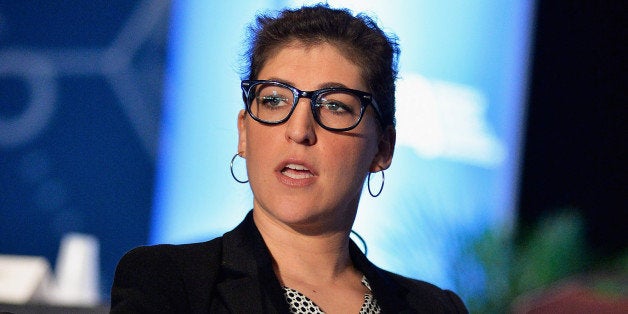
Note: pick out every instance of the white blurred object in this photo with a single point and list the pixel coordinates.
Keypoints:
(28, 279)
(77, 272)
(22, 278)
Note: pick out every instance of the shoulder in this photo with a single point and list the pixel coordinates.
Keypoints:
(400, 294)
(168, 257)
(162, 278)
(421, 294)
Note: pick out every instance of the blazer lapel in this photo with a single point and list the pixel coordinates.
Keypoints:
(389, 295)
(246, 265)
(241, 295)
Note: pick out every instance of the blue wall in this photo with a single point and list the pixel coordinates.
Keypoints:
(80, 99)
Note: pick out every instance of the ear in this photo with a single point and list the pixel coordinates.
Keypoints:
(385, 150)
(242, 133)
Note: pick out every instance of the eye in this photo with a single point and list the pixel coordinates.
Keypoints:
(272, 99)
(334, 106)
(337, 107)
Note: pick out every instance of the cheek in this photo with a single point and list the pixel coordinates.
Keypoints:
(263, 149)
(353, 159)
(258, 136)
(368, 143)
(258, 145)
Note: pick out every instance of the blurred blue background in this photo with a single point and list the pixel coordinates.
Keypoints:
(460, 101)
(107, 128)
(80, 102)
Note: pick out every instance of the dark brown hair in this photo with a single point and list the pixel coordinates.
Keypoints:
(358, 37)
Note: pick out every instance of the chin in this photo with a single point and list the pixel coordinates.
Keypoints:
(313, 220)
(300, 216)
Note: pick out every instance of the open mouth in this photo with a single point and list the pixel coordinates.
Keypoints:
(295, 171)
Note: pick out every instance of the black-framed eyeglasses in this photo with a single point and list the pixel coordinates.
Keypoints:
(334, 108)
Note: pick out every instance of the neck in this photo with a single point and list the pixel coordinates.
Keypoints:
(305, 257)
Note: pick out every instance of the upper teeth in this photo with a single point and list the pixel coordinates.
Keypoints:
(296, 167)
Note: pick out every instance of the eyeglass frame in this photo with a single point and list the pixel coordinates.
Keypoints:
(365, 98)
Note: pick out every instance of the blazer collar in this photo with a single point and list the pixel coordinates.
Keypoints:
(391, 297)
(249, 282)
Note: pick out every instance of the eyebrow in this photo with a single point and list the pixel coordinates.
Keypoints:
(321, 86)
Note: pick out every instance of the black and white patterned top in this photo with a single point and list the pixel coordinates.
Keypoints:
(300, 304)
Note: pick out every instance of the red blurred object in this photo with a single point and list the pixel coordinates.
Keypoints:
(571, 297)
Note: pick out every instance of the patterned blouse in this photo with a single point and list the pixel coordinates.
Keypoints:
(300, 304)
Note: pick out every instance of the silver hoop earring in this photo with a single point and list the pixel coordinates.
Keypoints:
(231, 167)
(369, 185)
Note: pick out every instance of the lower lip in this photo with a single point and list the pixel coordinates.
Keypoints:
(296, 180)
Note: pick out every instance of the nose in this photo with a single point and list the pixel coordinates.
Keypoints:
(300, 128)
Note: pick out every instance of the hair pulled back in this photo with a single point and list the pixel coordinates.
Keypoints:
(357, 37)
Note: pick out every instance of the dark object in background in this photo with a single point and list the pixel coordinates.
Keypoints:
(575, 147)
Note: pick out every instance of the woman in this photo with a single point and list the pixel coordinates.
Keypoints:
(318, 118)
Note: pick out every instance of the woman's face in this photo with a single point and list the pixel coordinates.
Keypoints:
(302, 175)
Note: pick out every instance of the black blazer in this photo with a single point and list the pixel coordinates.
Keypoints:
(234, 274)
